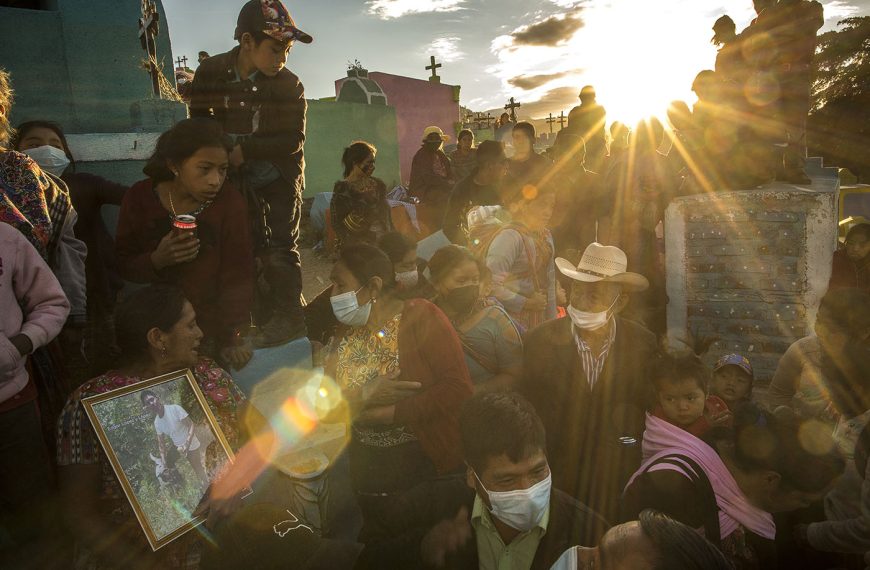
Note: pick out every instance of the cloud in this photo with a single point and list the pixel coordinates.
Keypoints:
(529, 82)
(550, 32)
(838, 9)
(391, 9)
(553, 101)
(446, 49)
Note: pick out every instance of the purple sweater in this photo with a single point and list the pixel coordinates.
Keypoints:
(32, 303)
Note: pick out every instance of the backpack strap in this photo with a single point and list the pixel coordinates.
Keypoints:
(698, 477)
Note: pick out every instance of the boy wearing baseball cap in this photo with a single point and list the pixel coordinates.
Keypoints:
(261, 104)
(732, 380)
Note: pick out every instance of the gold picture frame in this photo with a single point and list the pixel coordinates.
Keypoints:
(163, 493)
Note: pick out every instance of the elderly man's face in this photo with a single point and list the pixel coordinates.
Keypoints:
(595, 297)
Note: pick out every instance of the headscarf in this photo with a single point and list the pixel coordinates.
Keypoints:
(32, 201)
(662, 438)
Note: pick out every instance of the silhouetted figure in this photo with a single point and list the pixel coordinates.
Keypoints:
(729, 59)
(582, 211)
(793, 25)
(587, 120)
(505, 129)
(202, 56)
(432, 175)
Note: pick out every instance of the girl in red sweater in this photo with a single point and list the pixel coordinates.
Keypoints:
(214, 265)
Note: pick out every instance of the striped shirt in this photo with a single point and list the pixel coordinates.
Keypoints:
(593, 365)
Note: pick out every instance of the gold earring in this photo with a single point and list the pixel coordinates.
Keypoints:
(163, 351)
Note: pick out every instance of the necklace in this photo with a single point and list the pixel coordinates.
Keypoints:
(171, 205)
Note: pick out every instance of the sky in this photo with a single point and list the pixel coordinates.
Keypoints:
(639, 54)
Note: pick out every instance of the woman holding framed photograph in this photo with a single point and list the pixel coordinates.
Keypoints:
(157, 333)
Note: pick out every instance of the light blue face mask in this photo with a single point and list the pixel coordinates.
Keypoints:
(49, 159)
(348, 311)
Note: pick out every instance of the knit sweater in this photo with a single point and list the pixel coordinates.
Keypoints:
(32, 303)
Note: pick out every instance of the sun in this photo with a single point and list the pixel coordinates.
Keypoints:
(648, 54)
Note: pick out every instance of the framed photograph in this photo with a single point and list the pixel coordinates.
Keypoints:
(165, 446)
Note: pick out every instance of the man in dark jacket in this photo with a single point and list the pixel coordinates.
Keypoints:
(501, 514)
(482, 188)
(587, 376)
(261, 104)
(587, 120)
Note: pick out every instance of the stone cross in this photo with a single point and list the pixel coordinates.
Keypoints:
(181, 62)
(511, 107)
(550, 120)
(434, 68)
(487, 119)
(149, 27)
(562, 120)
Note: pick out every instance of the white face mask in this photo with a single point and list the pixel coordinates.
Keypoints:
(522, 509)
(590, 321)
(408, 279)
(346, 309)
(49, 158)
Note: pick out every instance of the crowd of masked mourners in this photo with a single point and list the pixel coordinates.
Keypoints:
(508, 398)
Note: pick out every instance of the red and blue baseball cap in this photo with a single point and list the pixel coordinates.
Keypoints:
(735, 360)
(271, 18)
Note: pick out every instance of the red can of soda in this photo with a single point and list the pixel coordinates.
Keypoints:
(184, 223)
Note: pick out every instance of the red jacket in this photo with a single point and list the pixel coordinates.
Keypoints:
(219, 283)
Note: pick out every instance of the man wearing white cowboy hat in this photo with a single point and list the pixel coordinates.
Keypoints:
(587, 377)
(432, 176)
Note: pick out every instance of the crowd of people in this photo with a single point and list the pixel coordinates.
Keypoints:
(509, 400)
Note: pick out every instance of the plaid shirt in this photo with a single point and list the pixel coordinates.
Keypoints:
(593, 365)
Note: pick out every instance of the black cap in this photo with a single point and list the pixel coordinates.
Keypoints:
(271, 18)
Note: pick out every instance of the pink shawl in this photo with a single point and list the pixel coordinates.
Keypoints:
(662, 438)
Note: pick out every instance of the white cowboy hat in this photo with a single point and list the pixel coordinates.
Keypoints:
(603, 263)
(434, 131)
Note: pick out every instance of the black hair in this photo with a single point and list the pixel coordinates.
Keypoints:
(703, 82)
(862, 229)
(723, 24)
(155, 306)
(365, 261)
(7, 95)
(848, 309)
(22, 130)
(488, 152)
(396, 245)
(205, 53)
(145, 393)
(498, 423)
(527, 129)
(448, 258)
(464, 132)
(181, 142)
(357, 152)
(679, 115)
(669, 369)
(679, 547)
(764, 441)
